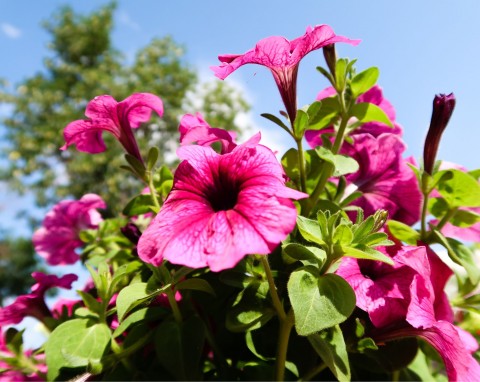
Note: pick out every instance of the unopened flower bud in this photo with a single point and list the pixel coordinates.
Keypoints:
(131, 232)
(330, 57)
(443, 106)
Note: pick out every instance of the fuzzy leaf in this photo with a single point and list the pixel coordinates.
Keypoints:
(330, 346)
(319, 302)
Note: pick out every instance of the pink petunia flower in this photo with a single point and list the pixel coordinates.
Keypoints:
(374, 96)
(282, 57)
(57, 240)
(408, 299)
(221, 208)
(384, 177)
(193, 128)
(33, 304)
(118, 118)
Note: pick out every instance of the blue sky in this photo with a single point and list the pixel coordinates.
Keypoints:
(421, 47)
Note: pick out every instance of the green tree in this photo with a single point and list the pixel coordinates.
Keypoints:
(82, 64)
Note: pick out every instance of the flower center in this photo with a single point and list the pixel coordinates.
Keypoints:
(223, 195)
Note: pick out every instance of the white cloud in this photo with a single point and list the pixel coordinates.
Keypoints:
(125, 19)
(10, 31)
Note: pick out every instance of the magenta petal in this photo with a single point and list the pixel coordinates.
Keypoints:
(277, 53)
(102, 107)
(137, 108)
(459, 363)
(87, 135)
(193, 128)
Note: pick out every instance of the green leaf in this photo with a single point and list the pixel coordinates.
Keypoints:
(300, 124)
(464, 218)
(363, 81)
(368, 112)
(290, 164)
(340, 73)
(458, 188)
(139, 205)
(330, 346)
(461, 255)
(366, 344)
(310, 230)
(364, 252)
(313, 112)
(277, 121)
(140, 316)
(152, 157)
(179, 348)
(319, 302)
(342, 235)
(75, 343)
(196, 284)
(329, 110)
(302, 253)
(251, 309)
(343, 164)
(130, 297)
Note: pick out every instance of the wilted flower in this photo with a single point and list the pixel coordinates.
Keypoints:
(408, 300)
(443, 106)
(33, 304)
(282, 57)
(384, 177)
(221, 208)
(118, 118)
(57, 240)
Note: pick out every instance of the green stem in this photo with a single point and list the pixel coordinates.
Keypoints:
(173, 304)
(328, 168)
(301, 164)
(286, 326)
(426, 193)
(313, 372)
(153, 192)
(286, 323)
(446, 218)
(277, 304)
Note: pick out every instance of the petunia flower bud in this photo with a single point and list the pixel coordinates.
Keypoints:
(330, 57)
(443, 106)
(131, 232)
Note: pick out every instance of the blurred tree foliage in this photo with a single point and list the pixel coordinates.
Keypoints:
(81, 65)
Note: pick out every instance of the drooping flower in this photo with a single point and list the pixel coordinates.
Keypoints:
(118, 118)
(443, 106)
(193, 128)
(408, 300)
(58, 238)
(384, 177)
(374, 96)
(282, 57)
(33, 304)
(221, 208)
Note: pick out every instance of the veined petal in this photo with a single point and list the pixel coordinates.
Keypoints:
(87, 135)
(137, 108)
